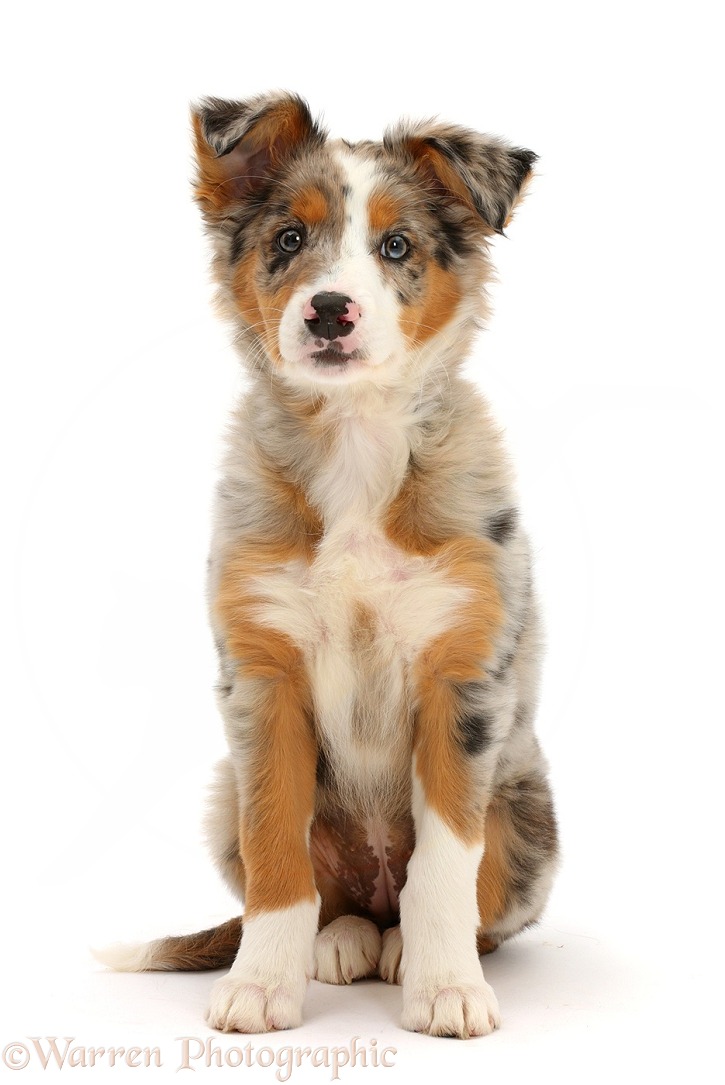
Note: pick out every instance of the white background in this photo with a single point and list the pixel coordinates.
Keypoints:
(603, 363)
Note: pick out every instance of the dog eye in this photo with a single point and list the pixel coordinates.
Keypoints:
(395, 247)
(289, 241)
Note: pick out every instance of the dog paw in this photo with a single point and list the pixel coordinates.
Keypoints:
(389, 968)
(451, 1010)
(237, 1006)
(347, 949)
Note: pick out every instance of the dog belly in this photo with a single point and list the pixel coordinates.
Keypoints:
(363, 862)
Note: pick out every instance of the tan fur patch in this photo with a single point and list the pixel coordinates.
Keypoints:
(244, 290)
(485, 944)
(262, 311)
(274, 825)
(433, 161)
(383, 211)
(364, 628)
(458, 655)
(273, 307)
(408, 521)
(209, 949)
(494, 874)
(284, 126)
(213, 174)
(261, 651)
(443, 292)
(309, 206)
(284, 754)
(302, 525)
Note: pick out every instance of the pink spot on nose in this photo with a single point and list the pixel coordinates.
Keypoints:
(309, 312)
(352, 315)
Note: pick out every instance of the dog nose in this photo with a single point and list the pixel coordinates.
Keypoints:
(330, 316)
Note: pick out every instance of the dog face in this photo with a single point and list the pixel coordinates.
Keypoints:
(344, 263)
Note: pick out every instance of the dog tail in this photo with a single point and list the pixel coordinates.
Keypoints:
(200, 952)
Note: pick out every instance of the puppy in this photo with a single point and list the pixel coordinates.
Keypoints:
(384, 807)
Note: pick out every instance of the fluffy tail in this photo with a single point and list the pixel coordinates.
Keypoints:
(200, 952)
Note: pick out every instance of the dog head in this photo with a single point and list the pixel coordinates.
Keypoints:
(345, 262)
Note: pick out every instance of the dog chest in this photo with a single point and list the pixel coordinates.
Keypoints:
(361, 612)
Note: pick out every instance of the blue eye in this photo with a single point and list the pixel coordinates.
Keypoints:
(395, 247)
(289, 241)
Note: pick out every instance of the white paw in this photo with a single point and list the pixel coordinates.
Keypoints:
(347, 949)
(239, 1006)
(461, 1010)
(389, 968)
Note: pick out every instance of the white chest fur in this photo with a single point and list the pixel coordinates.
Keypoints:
(364, 609)
(361, 614)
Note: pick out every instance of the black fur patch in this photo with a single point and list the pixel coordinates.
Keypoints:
(532, 815)
(324, 772)
(231, 855)
(501, 527)
(238, 246)
(239, 223)
(524, 161)
(451, 148)
(219, 115)
(533, 822)
(453, 240)
(474, 732)
(277, 261)
(504, 665)
(524, 868)
(457, 150)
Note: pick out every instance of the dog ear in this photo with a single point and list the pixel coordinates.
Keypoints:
(484, 173)
(240, 145)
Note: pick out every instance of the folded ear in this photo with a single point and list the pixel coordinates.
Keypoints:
(484, 173)
(240, 145)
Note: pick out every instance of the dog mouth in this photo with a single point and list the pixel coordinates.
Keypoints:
(334, 358)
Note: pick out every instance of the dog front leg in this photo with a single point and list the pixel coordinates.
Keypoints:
(269, 724)
(444, 992)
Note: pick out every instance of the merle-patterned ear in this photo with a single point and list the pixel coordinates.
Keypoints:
(484, 173)
(240, 145)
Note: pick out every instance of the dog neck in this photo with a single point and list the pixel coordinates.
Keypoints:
(349, 451)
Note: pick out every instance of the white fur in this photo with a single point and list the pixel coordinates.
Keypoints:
(347, 949)
(358, 271)
(266, 985)
(389, 967)
(126, 956)
(413, 601)
(444, 992)
(389, 362)
(368, 457)
(411, 597)
(355, 273)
